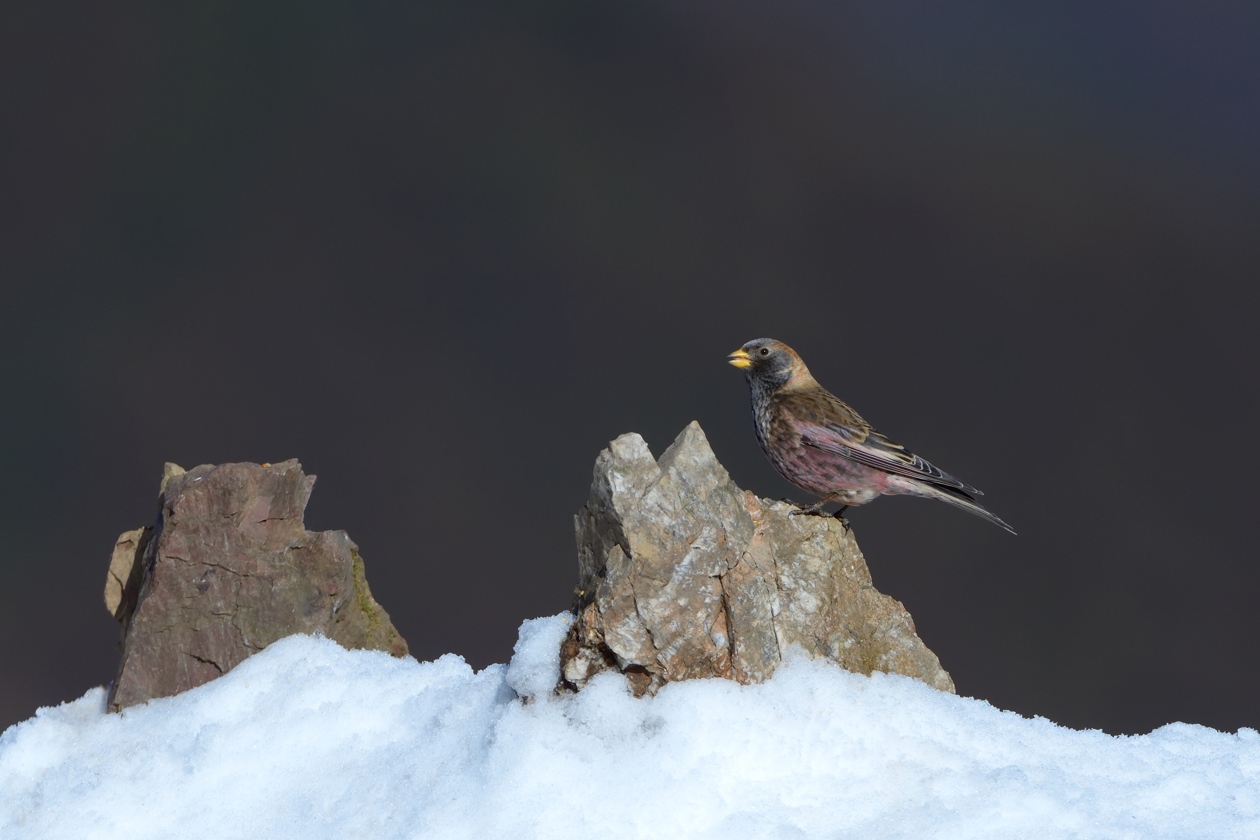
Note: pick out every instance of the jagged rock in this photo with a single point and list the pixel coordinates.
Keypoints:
(228, 569)
(682, 575)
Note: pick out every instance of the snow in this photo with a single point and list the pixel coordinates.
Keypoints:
(307, 740)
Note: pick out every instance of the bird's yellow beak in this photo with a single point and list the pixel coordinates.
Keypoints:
(740, 358)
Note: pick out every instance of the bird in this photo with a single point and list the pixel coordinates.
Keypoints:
(824, 447)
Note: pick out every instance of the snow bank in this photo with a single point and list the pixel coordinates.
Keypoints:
(307, 740)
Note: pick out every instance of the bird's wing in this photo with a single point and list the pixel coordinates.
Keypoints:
(826, 423)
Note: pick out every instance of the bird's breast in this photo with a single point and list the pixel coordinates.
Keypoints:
(776, 434)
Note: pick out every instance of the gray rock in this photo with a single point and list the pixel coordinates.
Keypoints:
(683, 575)
(228, 569)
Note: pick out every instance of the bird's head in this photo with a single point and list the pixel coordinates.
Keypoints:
(769, 363)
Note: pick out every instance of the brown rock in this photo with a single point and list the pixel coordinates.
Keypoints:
(228, 569)
(682, 575)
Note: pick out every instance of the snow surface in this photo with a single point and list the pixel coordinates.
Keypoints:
(307, 740)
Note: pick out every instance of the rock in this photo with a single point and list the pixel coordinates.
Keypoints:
(123, 581)
(228, 569)
(684, 575)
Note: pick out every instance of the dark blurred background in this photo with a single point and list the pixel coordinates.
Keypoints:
(442, 252)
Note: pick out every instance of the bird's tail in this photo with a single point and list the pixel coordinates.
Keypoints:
(960, 500)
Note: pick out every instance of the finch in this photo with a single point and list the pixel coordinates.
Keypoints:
(824, 447)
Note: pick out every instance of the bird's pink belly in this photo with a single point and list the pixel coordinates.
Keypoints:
(824, 474)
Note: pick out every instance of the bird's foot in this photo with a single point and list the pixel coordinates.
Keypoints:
(810, 510)
(816, 509)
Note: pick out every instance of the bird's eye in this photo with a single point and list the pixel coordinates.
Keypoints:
(765, 351)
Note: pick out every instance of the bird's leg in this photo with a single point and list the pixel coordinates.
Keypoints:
(816, 507)
(838, 515)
